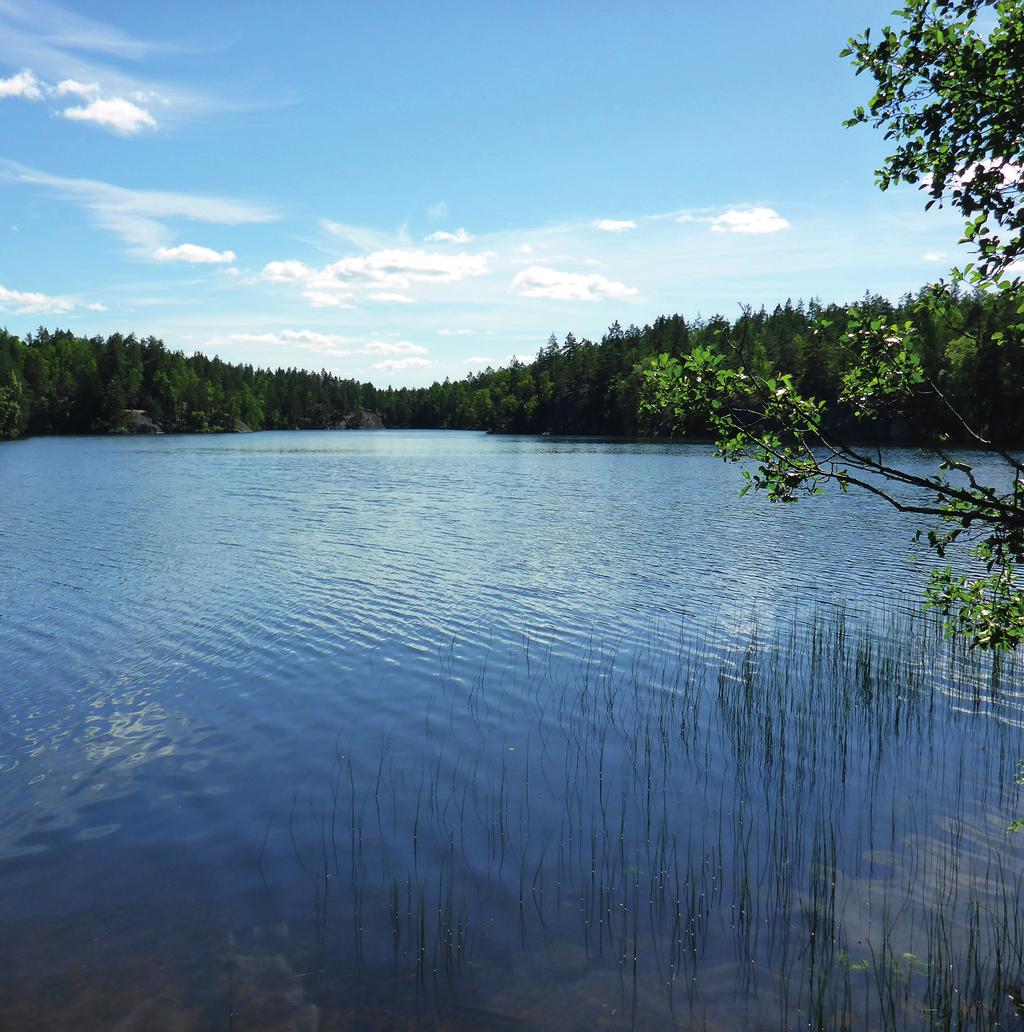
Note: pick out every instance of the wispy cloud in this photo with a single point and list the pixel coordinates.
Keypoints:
(542, 282)
(194, 254)
(138, 217)
(363, 238)
(49, 30)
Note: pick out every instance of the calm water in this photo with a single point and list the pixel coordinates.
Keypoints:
(306, 730)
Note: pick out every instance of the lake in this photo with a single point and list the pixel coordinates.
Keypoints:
(437, 729)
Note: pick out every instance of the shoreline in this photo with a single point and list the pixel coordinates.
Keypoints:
(695, 439)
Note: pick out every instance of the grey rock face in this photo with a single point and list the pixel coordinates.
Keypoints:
(138, 421)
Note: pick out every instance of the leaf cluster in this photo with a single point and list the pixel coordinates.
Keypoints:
(949, 93)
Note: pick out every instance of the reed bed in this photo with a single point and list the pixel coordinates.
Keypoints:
(800, 827)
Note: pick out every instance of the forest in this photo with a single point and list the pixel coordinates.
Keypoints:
(54, 382)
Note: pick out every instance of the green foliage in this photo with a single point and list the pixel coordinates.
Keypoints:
(55, 382)
(949, 92)
(70, 384)
(10, 406)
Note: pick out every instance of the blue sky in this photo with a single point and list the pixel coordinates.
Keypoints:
(403, 191)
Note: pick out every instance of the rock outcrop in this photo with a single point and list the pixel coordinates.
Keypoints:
(139, 421)
(359, 419)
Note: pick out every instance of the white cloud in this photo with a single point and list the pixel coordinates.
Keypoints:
(75, 88)
(64, 47)
(27, 302)
(394, 365)
(525, 249)
(933, 256)
(22, 84)
(387, 273)
(480, 360)
(748, 220)
(460, 236)
(437, 211)
(389, 347)
(540, 281)
(194, 254)
(398, 299)
(115, 113)
(138, 217)
(446, 332)
(97, 307)
(289, 271)
(614, 225)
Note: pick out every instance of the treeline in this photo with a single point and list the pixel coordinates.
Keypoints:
(57, 383)
(974, 358)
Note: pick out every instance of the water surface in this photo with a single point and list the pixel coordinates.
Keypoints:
(433, 728)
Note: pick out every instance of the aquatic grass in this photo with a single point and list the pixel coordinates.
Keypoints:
(804, 825)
